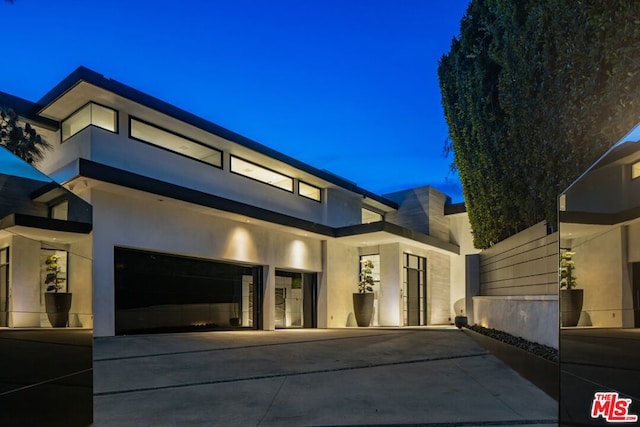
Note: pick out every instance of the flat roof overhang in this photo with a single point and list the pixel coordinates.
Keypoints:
(44, 229)
(84, 85)
(112, 179)
(382, 232)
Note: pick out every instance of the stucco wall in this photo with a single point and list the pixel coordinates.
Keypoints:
(24, 265)
(460, 234)
(391, 270)
(534, 317)
(170, 227)
(601, 270)
(339, 282)
(421, 209)
(438, 288)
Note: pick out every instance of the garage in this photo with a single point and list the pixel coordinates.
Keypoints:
(159, 292)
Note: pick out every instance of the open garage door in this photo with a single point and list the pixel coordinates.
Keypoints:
(156, 292)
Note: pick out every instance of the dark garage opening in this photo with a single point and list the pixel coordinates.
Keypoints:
(156, 292)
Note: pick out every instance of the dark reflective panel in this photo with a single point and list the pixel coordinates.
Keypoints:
(45, 300)
(600, 290)
(157, 292)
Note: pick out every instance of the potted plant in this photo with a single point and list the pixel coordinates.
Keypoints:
(363, 300)
(57, 303)
(570, 298)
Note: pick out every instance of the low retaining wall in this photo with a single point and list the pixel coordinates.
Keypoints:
(541, 372)
(532, 317)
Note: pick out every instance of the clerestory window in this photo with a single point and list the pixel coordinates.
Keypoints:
(91, 114)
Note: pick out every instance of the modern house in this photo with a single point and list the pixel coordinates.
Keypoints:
(187, 225)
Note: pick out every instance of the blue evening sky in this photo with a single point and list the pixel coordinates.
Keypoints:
(345, 85)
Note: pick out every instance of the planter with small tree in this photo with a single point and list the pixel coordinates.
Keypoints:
(363, 300)
(571, 299)
(57, 303)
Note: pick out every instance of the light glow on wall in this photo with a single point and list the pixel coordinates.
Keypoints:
(241, 246)
(298, 253)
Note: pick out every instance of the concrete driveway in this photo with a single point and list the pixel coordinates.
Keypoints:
(355, 376)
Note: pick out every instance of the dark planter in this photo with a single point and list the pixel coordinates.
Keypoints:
(234, 321)
(460, 321)
(363, 308)
(57, 305)
(570, 306)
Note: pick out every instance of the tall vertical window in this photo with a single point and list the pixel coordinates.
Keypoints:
(4, 287)
(91, 114)
(309, 191)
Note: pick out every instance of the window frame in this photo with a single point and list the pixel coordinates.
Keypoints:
(115, 131)
(319, 199)
(232, 156)
(202, 144)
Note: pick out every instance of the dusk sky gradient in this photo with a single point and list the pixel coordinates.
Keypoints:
(349, 86)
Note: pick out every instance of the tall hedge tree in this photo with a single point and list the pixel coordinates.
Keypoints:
(533, 92)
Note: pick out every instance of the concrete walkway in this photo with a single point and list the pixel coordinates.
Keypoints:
(429, 376)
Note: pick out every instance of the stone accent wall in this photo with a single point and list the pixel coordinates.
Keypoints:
(438, 289)
(421, 209)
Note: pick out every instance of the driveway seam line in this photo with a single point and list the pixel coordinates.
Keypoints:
(205, 350)
(289, 374)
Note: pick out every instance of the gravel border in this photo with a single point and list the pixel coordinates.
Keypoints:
(541, 350)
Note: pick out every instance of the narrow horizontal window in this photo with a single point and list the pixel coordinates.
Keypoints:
(91, 114)
(635, 170)
(310, 191)
(262, 174)
(162, 138)
(370, 216)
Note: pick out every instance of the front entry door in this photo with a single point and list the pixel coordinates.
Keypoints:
(413, 297)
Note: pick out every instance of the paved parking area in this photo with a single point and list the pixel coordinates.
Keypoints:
(354, 376)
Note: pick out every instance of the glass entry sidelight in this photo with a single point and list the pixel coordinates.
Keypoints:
(636, 294)
(4, 287)
(295, 300)
(415, 290)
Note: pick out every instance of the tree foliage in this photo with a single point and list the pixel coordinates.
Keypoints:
(533, 92)
(24, 142)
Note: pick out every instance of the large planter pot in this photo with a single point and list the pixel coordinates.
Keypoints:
(460, 321)
(570, 306)
(57, 305)
(363, 308)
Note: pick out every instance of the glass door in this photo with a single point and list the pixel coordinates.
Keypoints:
(4, 287)
(415, 290)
